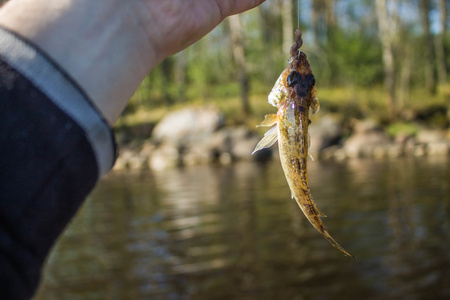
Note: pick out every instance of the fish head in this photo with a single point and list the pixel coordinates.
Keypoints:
(301, 83)
(296, 84)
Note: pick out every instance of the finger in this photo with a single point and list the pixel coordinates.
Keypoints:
(232, 7)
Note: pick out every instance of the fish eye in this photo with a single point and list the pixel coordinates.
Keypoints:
(293, 78)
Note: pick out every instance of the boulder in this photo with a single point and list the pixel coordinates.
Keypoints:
(242, 149)
(366, 126)
(137, 162)
(188, 125)
(438, 148)
(122, 161)
(165, 156)
(426, 136)
(238, 142)
(324, 132)
(197, 154)
(367, 135)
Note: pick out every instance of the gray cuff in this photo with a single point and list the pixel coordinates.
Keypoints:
(51, 80)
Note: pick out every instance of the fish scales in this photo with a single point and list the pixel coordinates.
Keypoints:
(295, 95)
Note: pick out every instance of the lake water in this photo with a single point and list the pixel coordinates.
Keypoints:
(232, 232)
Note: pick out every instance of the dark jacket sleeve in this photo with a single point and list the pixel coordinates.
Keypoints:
(54, 146)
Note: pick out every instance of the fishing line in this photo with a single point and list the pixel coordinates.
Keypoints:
(298, 14)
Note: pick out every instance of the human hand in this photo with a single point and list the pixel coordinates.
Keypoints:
(109, 46)
(173, 25)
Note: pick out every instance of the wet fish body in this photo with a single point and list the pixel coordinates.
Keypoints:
(295, 95)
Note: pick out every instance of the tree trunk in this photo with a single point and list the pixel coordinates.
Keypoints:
(405, 78)
(318, 21)
(330, 17)
(270, 29)
(330, 7)
(180, 75)
(439, 44)
(288, 28)
(237, 47)
(387, 41)
(430, 69)
(323, 19)
(167, 70)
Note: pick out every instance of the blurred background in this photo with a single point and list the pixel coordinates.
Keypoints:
(383, 59)
(380, 68)
(189, 213)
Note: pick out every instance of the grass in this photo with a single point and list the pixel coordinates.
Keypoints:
(346, 101)
(402, 128)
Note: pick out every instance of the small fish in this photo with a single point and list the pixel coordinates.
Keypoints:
(294, 94)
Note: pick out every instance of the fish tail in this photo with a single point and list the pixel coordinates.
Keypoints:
(313, 215)
(335, 244)
(318, 211)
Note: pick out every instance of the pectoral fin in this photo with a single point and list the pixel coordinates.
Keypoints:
(270, 137)
(269, 120)
(315, 105)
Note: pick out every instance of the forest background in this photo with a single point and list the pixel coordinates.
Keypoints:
(382, 59)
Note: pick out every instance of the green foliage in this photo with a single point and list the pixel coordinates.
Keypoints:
(347, 50)
(346, 59)
(351, 59)
(401, 128)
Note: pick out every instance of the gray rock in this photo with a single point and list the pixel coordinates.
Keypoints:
(238, 143)
(188, 125)
(329, 152)
(387, 150)
(122, 161)
(324, 132)
(147, 149)
(242, 149)
(340, 154)
(366, 126)
(137, 162)
(197, 154)
(395, 151)
(438, 148)
(419, 150)
(223, 139)
(408, 145)
(367, 135)
(165, 156)
(431, 136)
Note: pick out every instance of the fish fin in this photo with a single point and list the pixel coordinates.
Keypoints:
(309, 146)
(270, 137)
(269, 120)
(333, 242)
(315, 105)
(317, 223)
(318, 211)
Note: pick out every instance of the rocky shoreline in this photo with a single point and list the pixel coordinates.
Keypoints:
(196, 136)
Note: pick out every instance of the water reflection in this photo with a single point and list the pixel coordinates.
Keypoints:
(233, 233)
